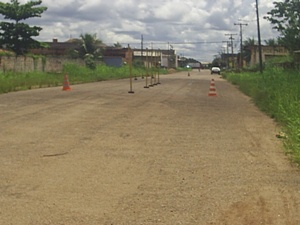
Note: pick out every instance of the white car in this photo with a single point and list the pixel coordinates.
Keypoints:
(215, 70)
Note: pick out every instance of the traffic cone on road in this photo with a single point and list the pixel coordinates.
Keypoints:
(212, 88)
(66, 85)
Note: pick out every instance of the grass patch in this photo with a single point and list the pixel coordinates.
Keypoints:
(277, 93)
(10, 81)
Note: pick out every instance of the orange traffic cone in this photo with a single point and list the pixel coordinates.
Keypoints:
(66, 86)
(212, 88)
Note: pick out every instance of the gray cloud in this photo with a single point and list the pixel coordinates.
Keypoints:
(195, 28)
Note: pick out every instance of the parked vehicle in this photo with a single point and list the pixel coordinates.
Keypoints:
(215, 70)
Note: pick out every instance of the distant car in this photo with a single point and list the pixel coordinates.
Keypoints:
(215, 70)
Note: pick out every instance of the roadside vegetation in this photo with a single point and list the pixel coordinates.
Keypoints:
(15, 81)
(276, 92)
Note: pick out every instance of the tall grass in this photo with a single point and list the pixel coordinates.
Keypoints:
(10, 81)
(276, 92)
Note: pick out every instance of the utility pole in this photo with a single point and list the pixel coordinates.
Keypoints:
(241, 34)
(231, 40)
(259, 41)
(227, 53)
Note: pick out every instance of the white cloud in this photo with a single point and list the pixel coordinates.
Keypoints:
(195, 28)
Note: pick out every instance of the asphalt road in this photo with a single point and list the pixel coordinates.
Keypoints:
(166, 155)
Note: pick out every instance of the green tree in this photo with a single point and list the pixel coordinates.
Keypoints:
(91, 45)
(17, 36)
(286, 19)
(250, 42)
(217, 61)
(117, 45)
(91, 49)
(247, 46)
(273, 43)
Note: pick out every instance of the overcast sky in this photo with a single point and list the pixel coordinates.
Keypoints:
(195, 28)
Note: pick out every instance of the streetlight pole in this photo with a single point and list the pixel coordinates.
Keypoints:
(259, 40)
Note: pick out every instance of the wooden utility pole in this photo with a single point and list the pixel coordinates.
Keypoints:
(241, 37)
(129, 57)
(259, 41)
(227, 53)
(231, 40)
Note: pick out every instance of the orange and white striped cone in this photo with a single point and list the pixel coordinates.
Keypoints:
(212, 88)
(66, 85)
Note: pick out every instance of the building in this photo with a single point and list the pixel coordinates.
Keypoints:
(268, 52)
(56, 48)
(115, 56)
(147, 57)
(152, 57)
(111, 55)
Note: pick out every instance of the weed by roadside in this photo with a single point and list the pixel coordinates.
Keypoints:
(10, 81)
(276, 92)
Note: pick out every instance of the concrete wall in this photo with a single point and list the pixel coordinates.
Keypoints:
(267, 52)
(29, 64)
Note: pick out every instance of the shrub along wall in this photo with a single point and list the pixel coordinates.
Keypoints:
(34, 63)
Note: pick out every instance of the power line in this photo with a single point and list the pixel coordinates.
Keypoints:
(241, 35)
(198, 42)
(231, 40)
(173, 43)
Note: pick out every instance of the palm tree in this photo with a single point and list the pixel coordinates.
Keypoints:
(250, 42)
(117, 45)
(273, 43)
(91, 45)
(91, 49)
(248, 45)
